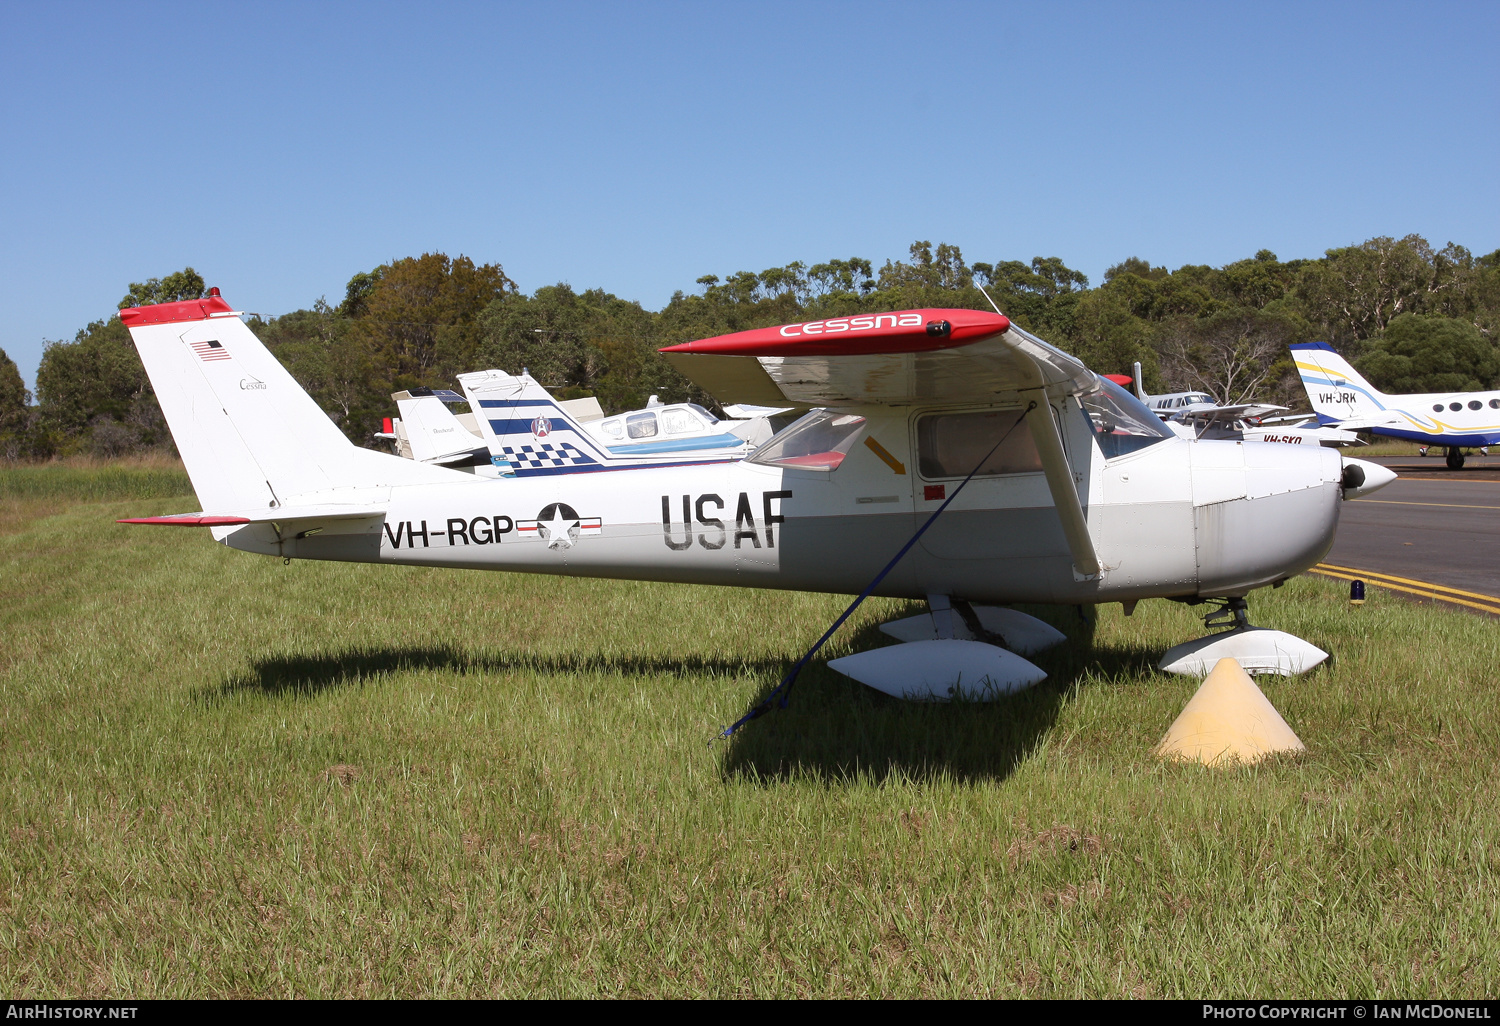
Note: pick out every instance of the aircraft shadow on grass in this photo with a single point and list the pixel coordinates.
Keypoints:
(834, 729)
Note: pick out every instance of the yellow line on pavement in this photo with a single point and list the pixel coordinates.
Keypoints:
(1441, 593)
(1408, 580)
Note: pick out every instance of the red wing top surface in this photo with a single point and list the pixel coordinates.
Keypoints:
(893, 358)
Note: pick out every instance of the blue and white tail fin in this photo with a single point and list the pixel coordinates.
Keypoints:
(249, 435)
(531, 434)
(527, 429)
(1336, 390)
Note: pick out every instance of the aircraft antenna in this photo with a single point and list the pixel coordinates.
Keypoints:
(987, 297)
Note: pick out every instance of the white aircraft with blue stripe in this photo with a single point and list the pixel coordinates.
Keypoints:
(531, 435)
(1340, 395)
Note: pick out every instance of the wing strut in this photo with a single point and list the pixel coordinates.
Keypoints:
(784, 689)
(1060, 482)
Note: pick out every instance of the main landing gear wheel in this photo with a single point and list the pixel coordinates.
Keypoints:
(1455, 458)
(1256, 649)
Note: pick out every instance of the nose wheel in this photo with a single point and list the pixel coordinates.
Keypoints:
(1455, 458)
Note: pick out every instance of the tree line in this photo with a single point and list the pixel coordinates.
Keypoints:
(1411, 317)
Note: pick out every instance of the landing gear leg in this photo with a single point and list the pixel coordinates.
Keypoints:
(1455, 458)
(1233, 614)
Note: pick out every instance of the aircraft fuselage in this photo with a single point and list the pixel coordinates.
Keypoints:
(1175, 518)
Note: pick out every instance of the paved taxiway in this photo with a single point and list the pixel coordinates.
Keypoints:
(1430, 525)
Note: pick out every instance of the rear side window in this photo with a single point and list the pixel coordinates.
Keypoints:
(952, 444)
(818, 441)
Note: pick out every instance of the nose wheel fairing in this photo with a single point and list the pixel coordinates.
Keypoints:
(1258, 650)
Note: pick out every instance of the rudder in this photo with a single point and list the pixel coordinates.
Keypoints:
(249, 435)
(1335, 389)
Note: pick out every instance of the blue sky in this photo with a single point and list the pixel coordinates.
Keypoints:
(280, 148)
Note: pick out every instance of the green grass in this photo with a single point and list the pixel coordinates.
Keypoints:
(226, 776)
(28, 492)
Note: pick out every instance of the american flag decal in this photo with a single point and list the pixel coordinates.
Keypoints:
(208, 351)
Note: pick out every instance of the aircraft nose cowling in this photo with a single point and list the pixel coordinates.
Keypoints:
(1276, 520)
(1361, 477)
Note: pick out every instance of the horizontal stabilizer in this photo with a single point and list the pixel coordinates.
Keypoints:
(329, 511)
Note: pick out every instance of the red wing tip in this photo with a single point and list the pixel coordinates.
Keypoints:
(170, 313)
(186, 521)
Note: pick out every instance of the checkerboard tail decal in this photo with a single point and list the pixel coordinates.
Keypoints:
(546, 456)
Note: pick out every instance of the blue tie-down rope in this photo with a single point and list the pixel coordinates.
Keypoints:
(784, 689)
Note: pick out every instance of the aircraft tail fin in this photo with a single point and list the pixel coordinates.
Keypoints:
(1335, 389)
(249, 435)
(433, 432)
(527, 428)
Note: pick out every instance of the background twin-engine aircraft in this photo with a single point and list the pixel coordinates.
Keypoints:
(1341, 396)
(1049, 485)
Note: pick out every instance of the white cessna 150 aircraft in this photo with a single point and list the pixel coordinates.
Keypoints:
(1053, 486)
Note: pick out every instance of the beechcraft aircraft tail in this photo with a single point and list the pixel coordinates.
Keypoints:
(1340, 395)
(534, 435)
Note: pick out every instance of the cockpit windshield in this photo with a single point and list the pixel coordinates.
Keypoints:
(1121, 422)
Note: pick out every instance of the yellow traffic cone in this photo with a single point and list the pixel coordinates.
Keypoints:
(1227, 721)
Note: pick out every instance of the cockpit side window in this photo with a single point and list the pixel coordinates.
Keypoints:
(677, 421)
(641, 425)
